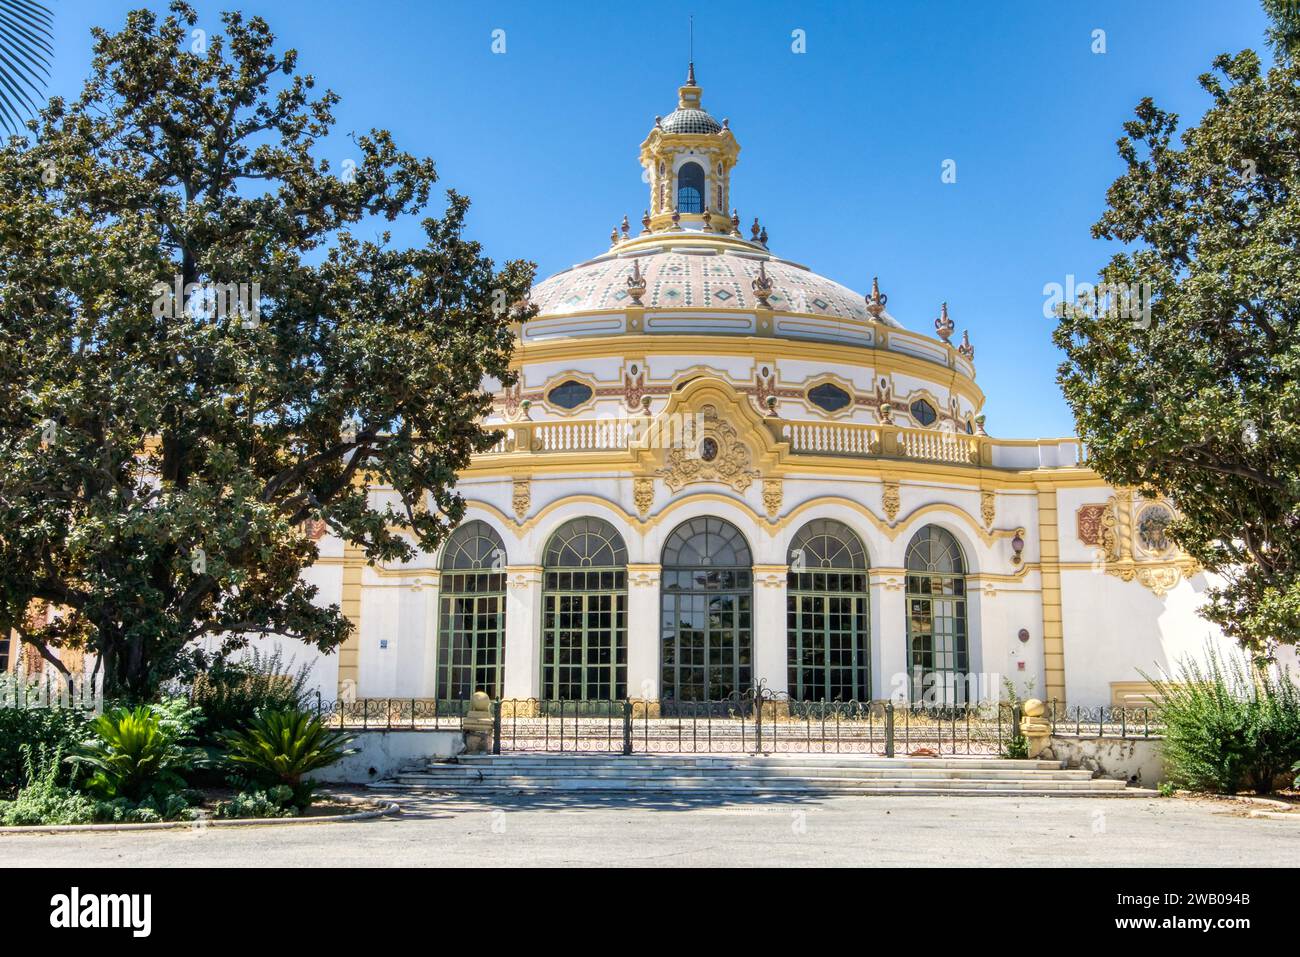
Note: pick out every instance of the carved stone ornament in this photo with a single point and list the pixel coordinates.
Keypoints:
(891, 501)
(772, 495)
(521, 497)
(988, 508)
(643, 494)
(1130, 551)
(719, 456)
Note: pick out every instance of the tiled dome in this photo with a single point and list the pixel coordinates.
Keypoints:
(690, 121)
(697, 276)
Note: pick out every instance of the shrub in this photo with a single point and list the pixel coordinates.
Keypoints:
(135, 754)
(51, 729)
(273, 802)
(231, 694)
(42, 800)
(280, 747)
(1230, 723)
(1016, 747)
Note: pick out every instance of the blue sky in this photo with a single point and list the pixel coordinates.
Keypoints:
(842, 146)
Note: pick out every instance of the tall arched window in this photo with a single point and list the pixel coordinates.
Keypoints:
(584, 619)
(707, 601)
(936, 618)
(690, 188)
(472, 613)
(827, 618)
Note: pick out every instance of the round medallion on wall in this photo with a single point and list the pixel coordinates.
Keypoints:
(1153, 528)
(709, 449)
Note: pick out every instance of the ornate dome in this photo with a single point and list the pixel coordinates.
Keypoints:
(689, 121)
(697, 271)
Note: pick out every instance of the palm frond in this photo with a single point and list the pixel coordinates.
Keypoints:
(26, 28)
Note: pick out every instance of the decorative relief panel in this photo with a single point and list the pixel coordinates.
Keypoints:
(772, 496)
(891, 501)
(521, 497)
(1132, 541)
(988, 508)
(720, 456)
(643, 494)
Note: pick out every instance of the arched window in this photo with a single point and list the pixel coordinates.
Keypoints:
(936, 618)
(707, 601)
(827, 615)
(584, 619)
(472, 613)
(690, 188)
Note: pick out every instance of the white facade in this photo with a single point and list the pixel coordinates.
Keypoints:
(689, 372)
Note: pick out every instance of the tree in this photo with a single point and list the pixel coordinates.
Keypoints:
(1199, 400)
(160, 453)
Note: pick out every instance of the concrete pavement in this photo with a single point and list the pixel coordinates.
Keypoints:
(689, 830)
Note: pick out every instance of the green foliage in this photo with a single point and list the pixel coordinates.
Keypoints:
(1230, 723)
(135, 753)
(26, 28)
(231, 694)
(42, 800)
(1202, 403)
(280, 747)
(1166, 789)
(1016, 747)
(45, 729)
(159, 464)
(276, 801)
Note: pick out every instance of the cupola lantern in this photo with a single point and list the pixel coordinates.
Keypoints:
(688, 158)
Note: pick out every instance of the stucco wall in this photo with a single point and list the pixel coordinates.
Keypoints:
(383, 753)
(1136, 760)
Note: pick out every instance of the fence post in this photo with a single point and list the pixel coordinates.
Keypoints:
(496, 727)
(627, 726)
(1015, 721)
(889, 729)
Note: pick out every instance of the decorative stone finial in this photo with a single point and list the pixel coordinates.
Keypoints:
(753, 231)
(690, 74)
(876, 301)
(477, 724)
(735, 223)
(966, 348)
(659, 122)
(636, 284)
(762, 238)
(979, 425)
(943, 325)
(708, 218)
(645, 222)
(613, 236)
(762, 285)
(886, 413)
(625, 227)
(677, 218)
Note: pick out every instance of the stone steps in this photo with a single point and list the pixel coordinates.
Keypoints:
(752, 775)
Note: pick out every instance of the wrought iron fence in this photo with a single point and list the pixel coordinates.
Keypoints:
(751, 724)
(417, 714)
(1105, 722)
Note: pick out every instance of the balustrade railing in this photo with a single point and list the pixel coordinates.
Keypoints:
(835, 439)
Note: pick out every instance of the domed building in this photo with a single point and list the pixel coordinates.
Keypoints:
(719, 468)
